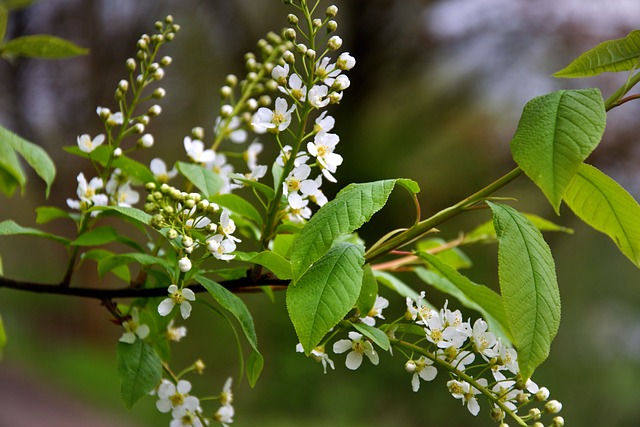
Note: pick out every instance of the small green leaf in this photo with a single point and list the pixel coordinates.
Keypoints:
(11, 228)
(12, 174)
(8, 183)
(274, 262)
(137, 215)
(529, 286)
(121, 271)
(606, 206)
(110, 263)
(451, 256)
(395, 284)
(353, 206)
(96, 236)
(45, 214)
(139, 369)
(611, 55)
(368, 292)
(34, 155)
(234, 305)
(255, 363)
(325, 293)
(42, 46)
(556, 133)
(374, 334)
(3, 337)
(207, 181)
(239, 206)
(264, 189)
(486, 233)
(134, 169)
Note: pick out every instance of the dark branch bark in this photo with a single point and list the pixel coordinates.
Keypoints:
(236, 285)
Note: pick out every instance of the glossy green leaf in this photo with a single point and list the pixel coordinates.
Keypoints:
(137, 172)
(556, 133)
(12, 175)
(138, 216)
(258, 186)
(352, 207)
(139, 369)
(274, 262)
(612, 55)
(11, 228)
(3, 337)
(368, 292)
(239, 206)
(45, 214)
(255, 363)
(486, 232)
(325, 293)
(234, 305)
(34, 155)
(606, 206)
(42, 46)
(378, 337)
(207, 181)
(529, 286)
(96, 236)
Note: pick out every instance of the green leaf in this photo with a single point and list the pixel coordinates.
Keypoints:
(529, 286)
(139, 369)
(96, 236)
(121, 271)
(110, 263)
(234, 305)
(325, 293)
(137, 171)
(4, 17)
(374, 334)
(255, 363)
(606, 206)
(45, 214)
(42, 46)
(395, 284)
(353, 206)
(137, 215)
(477, 297)
(274, 262)
(3, 338)
(207, 181)
(238, 205)
(451, 256)
(12, 174)
(556, 133)
(34, 155)
(611, 55)
(368, 292)
(486, 232)
(11, 228)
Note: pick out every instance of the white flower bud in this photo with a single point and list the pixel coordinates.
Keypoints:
(292, 19)
(155, 110)
(131, 64)
(558, 422)
(302, 48)
(123, 85)
(334, 43)
(252, 104)
(345, 61)
(226, 91)
(172, 234)
(184, 264)
(144, 120)
(146, 140)
(154, 67)
(410, 366)
(335, 97)
(159, 74)
(310, 53)
(264, 101)
(317, 23)
(332, 11)
(553, 407)
(542, 394)
(250, 64)
(231, 80)
(187, 241)
(159, 93)
(290, 34)
(226, 110)
(535, 413)
(197, 133)
(117, 152)
(341, 83)
(288, 57)
(142, 43)
(166, 60)
(332, 26)
(138, 128)
(103, 112)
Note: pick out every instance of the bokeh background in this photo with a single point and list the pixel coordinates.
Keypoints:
(436, 95)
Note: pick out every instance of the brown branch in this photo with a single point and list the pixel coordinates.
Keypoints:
(236, 285)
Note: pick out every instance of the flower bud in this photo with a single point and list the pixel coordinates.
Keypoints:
(332, 11)
(150, 186)
(172, 234)
(292, 19)
(123, 85)
(558, 422)
(166, 60)
(169, 19)
(332, 26)
(138, 128)
(226, 91)
(535, 413)
(197, 133)
(226, 110)
(252, 104)
(184, 264)
(311, 54)
(345, 61)
(264, 101)
(159, 74)
(553, 407)
(290, 34)
(155, 110)
(231, 80)
(317, 23)
(187, 241)
(146, 140)
(159, 93)
(334, 43)
(410, 366)
(301, 48)
(542, 394)
(117, 152)
(188, 250)
(131, 64)
(103, 112)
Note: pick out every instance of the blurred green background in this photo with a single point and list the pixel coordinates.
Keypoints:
(435, 96)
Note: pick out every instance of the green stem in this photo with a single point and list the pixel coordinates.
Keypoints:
(427, 225)
(614, 100)
(460, 374)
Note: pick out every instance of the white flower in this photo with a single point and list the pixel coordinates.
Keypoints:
(184, 264)
(280, 72)
(277, 119)
(324, 123)
(341, 83)
(251, 155)
(125, 195)
(553, 407)
(86, 144)
(359, 346)
(484, 341)
(293, 182)
(172, 396)
(319, 355)
(133, 328)
(227, 226)
(116, 118)
(466, 392)
(297, 89)
(230, 129)
(441, 335)
(195, 150)
(184, 417)
(507, 359)
(175, 333)
(421, 368)
(507, 394)
(326, 71)
(345, 61)
(462, 359)
(285, 154)
(224, 415)
(88, 194)
(226, 397)
(177, 296)
(322, 149)
(297, 209)
(318, 96)
(159, 169)
(376, 311)
(221, 248)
